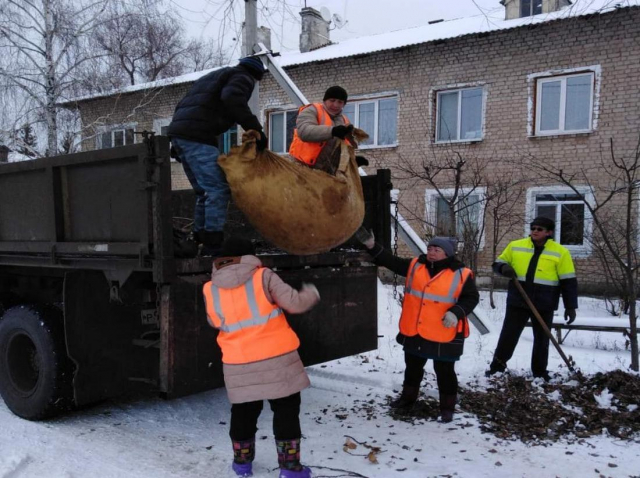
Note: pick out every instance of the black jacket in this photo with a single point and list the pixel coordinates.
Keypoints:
(469, 298)
(214, 104)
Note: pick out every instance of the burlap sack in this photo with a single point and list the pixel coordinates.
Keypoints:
(298, 209)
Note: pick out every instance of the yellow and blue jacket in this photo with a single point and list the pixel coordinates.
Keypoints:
(545, 272)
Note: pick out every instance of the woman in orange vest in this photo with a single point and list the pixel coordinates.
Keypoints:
(439, 294)
(245, 302)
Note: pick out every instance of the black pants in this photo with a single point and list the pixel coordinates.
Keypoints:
(445, 373)
(286, 418)
(514, 322)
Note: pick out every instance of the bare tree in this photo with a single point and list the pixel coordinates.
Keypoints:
(41, 48)
(612, 203)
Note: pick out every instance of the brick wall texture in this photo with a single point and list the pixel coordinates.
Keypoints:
(501, 62)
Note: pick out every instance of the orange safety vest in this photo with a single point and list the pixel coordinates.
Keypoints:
(251, 327)
(427, 299)
(308, 152)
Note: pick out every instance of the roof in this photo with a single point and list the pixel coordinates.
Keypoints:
(444, 30)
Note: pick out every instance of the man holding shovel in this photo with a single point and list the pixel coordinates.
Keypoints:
(545, 270)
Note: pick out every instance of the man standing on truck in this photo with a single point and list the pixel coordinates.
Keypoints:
(545, 270)
(212, 105)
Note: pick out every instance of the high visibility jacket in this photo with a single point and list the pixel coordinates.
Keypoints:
(427, 299)
(251, 327)
(308, 152)
(554, 272)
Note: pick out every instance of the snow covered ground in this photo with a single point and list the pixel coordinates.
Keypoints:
(188, 437)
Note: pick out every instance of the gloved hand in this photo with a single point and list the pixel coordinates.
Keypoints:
(365, 237)
(306, 286)
(449, 320)
(569, 315)
(341, 131)
(262, 142)
(508, 271)
(362, 161)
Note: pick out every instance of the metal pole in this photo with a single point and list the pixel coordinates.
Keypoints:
(251, 39)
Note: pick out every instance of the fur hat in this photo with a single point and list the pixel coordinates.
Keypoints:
(444, 243)
(254, 65)
(545, 222)
(237, 246)
(335, 92)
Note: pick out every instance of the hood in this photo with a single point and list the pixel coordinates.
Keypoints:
(229, 272)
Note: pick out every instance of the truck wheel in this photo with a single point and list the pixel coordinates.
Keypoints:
(35, 372)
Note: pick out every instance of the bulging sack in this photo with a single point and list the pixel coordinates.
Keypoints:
(298, 209)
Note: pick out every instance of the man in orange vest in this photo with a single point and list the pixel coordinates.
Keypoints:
(439, 294)
(245, 302)
(318, 126)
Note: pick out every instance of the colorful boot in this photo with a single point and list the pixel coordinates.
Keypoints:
(243, 454)
(447, 407)
(289, 459)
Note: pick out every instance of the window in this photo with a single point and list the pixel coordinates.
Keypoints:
(469, 212)
(281, 126)
(377, 117)
(564, 104)
(530, 7)
(459, 115)
(119, 136)
(161, 126)
(567, 209)
(227, 139)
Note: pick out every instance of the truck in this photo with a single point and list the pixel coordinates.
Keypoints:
(94, 303)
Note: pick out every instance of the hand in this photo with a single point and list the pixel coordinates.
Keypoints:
(262, 142)
(306, 286)
(508, 271)
(362, 161)
(569, 315)
(341, 131)
(449, 320)
(365, 237)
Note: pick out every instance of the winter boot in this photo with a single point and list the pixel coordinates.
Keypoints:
(496, 366)
(211, 243)
(447, 407)
(243, 454)
(289, 459)
(407, 398)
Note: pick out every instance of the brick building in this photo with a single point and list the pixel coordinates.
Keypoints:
(555, 86)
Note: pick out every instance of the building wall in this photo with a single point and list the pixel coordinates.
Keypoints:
(502, 62)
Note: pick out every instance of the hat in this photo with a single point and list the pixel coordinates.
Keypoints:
(545, 222)
(335, 92)
(254, 65)
(445, 243)
(237, 246)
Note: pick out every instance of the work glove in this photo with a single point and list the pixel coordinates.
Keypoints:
(508, 271)
(306, 286)
(449, 320)
(365, 237)
(262, 142)
(362, 161)
(341, 131)
(569, 315)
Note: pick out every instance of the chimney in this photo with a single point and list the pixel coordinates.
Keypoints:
(315, 30)
(4, 154)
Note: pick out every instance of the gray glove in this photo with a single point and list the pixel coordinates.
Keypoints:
(306, 286)
(449, 320)
(365, 237)
(508, 271)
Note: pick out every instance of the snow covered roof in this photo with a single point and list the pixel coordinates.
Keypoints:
(402, 38)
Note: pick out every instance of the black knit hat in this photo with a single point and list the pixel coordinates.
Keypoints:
(237, 246)
(335, 92)
(545, 222)
(254, 65)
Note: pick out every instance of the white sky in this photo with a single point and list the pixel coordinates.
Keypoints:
(222, 19)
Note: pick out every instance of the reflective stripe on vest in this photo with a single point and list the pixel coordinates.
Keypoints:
(447, 299)
(307, 152)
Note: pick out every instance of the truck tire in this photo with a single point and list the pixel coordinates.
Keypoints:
(35, 372)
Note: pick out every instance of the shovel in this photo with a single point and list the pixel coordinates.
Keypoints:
(536, 314)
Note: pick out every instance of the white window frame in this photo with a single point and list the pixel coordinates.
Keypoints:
(535, 81)
(459, 90)
(531, 14)
(159, 123)
(113, 129)
(270, 115)
(577, 251)
(376, 101)
(431, 211)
